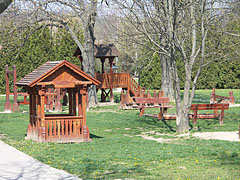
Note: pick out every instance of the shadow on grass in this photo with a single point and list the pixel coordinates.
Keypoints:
(155, 123)
(169, 126)
(229, 158)
(93, 136)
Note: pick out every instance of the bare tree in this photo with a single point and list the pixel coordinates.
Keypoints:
(69, 15)
(177, 29)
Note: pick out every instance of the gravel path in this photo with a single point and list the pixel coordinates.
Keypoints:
(15, 164)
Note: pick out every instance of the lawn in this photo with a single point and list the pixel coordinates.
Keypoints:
(116, 152)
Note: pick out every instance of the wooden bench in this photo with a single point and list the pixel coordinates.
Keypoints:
(153, 102)
(25, 95)
(222, 99)
(197, 107)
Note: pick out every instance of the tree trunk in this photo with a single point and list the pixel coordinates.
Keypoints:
(4, 5)
(182, 121)
(182, 109)
(88, 59)
(167, 78)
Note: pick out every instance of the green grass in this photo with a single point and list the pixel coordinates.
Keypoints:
(117, 153)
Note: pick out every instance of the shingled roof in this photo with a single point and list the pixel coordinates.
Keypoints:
(37, 73)
(101, 50)
(48, 68)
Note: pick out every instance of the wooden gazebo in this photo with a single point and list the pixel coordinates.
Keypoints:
(103, 52)
(70, 127)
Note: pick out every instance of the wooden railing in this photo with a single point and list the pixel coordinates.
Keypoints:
(115, 80)
(134, 87)
(63, 127)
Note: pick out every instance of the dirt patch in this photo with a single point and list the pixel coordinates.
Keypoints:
(106, 110)
(161, 140)
(227, 136)
(234, 105)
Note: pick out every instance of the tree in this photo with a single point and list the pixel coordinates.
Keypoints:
(65, 14)
(177, 29)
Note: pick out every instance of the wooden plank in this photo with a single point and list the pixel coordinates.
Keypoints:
(155, 106)
(209, 106)
(151, 100)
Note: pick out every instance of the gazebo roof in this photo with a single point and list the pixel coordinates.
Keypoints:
(46, 70)
(101, 50)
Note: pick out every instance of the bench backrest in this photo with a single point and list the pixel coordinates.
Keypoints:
(209, 106)
(152, 100)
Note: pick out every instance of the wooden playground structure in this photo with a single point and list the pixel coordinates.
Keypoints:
(110, 80)
(69, 127)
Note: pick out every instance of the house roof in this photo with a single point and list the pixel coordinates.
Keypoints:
(48, 69)
(101, 50)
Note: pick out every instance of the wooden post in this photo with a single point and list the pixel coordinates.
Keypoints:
(38, 110)
(222, 115)
(38, 125)
(80, 112)
(160, 114)
(43, 130)
(30, 133)
(74, 103)
(121, 102)
(84, 126)
(15, 104)
(58, 105)
(231, 97)
(111, 79)
(34, 113)
(212, 98)
(148, 94)
(160, 93)
(87, 104)
(154, 93)
(195, 114)
(7, 106)
(48, 100)
(70, 100)
(141, 110)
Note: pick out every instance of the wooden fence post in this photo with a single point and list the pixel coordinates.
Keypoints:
(231, 97)
(7, 106)
(15, 104)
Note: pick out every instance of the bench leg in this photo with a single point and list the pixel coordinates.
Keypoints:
(195, 117)
(141, 112)
(160, 114)
(221, 116)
